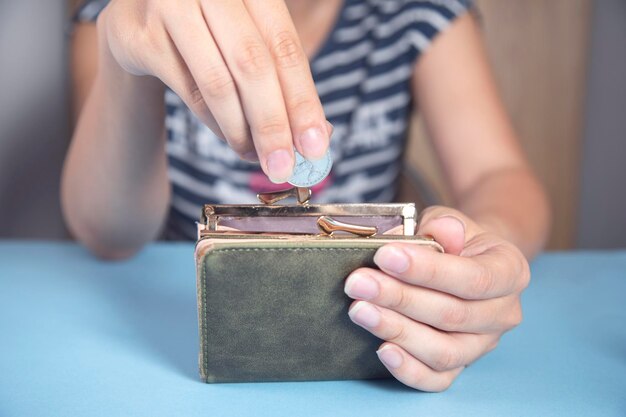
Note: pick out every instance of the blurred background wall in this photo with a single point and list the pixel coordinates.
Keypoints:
(560, 66)
(33, 116)
(602, 210)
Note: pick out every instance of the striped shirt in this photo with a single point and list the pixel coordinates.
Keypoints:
(362, 74)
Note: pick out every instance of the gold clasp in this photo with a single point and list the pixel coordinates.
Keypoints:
(302, 195)
(328, 226)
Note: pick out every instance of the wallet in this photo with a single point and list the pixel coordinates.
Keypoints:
(270, 279)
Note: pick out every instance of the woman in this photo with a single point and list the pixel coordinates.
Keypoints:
(269, 75)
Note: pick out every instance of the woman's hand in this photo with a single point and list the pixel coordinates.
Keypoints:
(439, 312)
(237, 64)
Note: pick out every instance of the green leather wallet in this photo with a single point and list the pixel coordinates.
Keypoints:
(270, 279)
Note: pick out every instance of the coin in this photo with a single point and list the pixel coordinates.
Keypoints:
(307, 173)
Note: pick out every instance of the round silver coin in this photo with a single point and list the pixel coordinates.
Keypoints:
(308, 173)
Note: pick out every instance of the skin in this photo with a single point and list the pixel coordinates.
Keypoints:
(252, 86)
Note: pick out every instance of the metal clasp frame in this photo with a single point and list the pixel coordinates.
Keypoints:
(325, 213)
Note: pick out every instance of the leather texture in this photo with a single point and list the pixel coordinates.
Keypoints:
(276, 311)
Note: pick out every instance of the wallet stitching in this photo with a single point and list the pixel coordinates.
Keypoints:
(203, 284)
(204, 330)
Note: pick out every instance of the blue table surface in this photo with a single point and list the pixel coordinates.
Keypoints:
(79, 336)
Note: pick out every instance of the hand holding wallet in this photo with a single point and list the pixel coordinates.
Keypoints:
(270, 280)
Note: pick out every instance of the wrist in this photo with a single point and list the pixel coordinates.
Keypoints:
(118, 80)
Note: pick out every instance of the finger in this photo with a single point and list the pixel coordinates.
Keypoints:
(434, 308)
(457, 233)
(495, 273)
(413, 373)
(446, 231)
(171, 69)
(253, 70)
(445, 226)
(190, 34)
(306, 115)
(435, 348)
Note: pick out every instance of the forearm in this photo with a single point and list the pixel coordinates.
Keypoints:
(512, 204)
(114, 188)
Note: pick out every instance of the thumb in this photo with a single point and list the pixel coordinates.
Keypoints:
(446, 226)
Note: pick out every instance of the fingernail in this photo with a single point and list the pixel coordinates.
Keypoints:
(364, 314)
(250, 156)
(313, 143)
(390, 357)
(391, 259)
(362, 286)
(279, 166)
